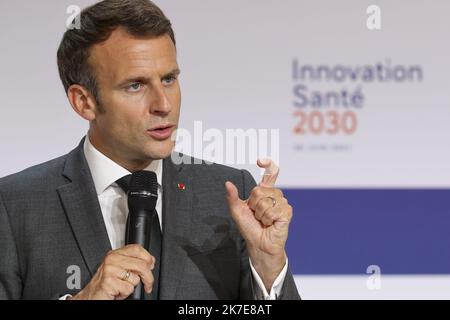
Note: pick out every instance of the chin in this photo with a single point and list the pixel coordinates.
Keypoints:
(160, 153)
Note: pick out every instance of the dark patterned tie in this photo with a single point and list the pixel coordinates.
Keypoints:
(155, 241)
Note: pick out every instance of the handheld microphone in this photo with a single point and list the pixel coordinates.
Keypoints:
(142, 197)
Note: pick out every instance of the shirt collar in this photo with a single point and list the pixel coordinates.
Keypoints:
(105, 172)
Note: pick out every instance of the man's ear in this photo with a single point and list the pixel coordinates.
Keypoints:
(82, 102)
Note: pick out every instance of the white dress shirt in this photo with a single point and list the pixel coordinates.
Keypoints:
(114, 206)
(113, 200)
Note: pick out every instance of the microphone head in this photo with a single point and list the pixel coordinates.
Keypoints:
(143, 191)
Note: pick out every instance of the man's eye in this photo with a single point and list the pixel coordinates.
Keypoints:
(134, 87)
(169, 80)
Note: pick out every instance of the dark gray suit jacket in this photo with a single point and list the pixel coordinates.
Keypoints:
(50, 220)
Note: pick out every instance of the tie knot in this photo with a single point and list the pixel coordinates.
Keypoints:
(124, 182)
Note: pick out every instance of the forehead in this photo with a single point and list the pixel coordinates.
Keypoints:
(122, 54)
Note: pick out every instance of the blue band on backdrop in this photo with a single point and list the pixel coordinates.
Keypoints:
(343, 231)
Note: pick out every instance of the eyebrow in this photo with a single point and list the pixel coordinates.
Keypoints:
(145, 80)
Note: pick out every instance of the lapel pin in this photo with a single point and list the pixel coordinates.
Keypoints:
(181, 186)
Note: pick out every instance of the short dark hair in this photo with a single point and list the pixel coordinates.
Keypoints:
(140, 18)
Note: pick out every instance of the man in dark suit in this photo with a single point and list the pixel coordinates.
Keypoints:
(62, 222)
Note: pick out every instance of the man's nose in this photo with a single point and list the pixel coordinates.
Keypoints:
(160, 103)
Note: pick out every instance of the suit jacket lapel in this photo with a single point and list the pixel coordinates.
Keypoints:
(82, 208)
(83, 211)
(177, 212)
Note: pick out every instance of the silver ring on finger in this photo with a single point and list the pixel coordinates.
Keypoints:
(274, 201)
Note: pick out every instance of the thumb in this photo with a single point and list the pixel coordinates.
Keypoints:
(232, 196)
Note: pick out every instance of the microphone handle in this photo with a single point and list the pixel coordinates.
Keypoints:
(138, 232)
